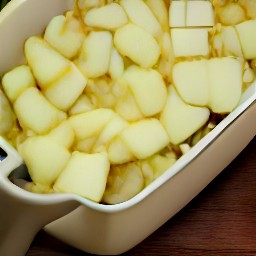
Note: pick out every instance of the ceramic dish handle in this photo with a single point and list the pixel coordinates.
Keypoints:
(23, 214)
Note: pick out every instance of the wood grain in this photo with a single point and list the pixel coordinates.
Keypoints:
(221, 220)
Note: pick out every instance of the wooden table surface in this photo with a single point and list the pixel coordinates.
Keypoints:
(221, 220)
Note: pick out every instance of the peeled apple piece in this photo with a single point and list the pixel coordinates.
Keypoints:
(190, 42)
(95, 54)
(65, 34)
(110, 16)
(181, 120)
(36, 113)
(44, 158)
(200, 13)
(145, 137)
(140, 14)
(196, 13)
(7, 116)
(63, 134)
(65, 91)
(247, 38)
(137, 44)
(124, 182)
(219, 85)
(159, 9)
(90, 123)
(85, 175)
(16, 81)
(116, 65)
(148, 88)
(46, 64)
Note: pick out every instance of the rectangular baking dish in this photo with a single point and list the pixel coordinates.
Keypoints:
(114, 229)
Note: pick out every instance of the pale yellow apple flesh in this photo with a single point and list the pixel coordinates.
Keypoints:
(114, 92)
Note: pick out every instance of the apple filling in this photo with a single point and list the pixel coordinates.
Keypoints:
(114, 92)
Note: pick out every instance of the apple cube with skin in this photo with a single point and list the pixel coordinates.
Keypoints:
(85, 175)
(145, 137)
(124, 182)
(141, 15)
(137, 44)
(36, 113)
(110, 17)
(65, 91)
(17, 81)
(181, 120)
(65, 34)
(246, 34)
(46, 64)
(148, 88)
(190, 42)
(95, 54)
(219, 85)
(45, 159)
(90, 123)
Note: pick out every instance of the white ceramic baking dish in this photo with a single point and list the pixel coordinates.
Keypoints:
(96, 228)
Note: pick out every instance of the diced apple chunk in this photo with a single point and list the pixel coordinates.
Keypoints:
(82, 104)
(65, 91)
(159, 9)
(219, 85)
(63, 134)
(44, 158)
(90, 123)
(16, 81)
(144, 138)
(124, 182)
(192, 87)
(200, 13)
(7, 116)
(231, 43)
(140, 14)
(226, 80)
(113, 128)
(46, 64)
(85, 175)
(65, 35)
(36, 113)
(128, 108)
(247, 38)
(190, 42)
(196, 13)
(137, 44)
(110, 16)
(180, 119)
(116, 66)
(118, 152)
(95, 54)
(148, 88)
(177, 14)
